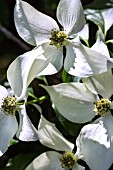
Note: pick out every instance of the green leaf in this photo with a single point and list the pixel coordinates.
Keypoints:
(97, 4)
(21, 161)
(109, 41)
(72, 129)
(111, 54)
(66, 77)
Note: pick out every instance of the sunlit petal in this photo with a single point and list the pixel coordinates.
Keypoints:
(33, 26)
(75, 98)
(8, 128)
(71, 16)
(89, 62)
(46, 161)
(26, 130)
(100, 84)
(96, 143)
(51, 137)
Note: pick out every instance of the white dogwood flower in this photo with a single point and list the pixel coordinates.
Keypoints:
(80, 102)
(50, 136)
(37, 29)
(10, 106)
(42, 28)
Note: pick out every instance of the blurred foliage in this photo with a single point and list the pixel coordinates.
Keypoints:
(97, 4)
(21, 160)
(4, 13)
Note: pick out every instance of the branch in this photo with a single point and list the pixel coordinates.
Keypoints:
(12, 37)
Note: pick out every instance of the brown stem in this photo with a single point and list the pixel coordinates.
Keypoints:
(12, 37)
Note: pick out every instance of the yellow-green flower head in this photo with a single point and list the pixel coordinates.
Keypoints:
(9, 105)
(68, 160)
(102, 106)
(58, 38)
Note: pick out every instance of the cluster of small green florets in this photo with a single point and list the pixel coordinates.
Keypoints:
(102, 106)
(58, 38)
(68, 160)
(9, 105)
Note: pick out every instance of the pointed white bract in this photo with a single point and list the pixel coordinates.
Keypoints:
(8, 128)
(25, 68)
(91, 61)
(100, 42)
(100, 84)
(70, 16)
(75, 98)
(8, 123)
(50, 136)
(26, 130)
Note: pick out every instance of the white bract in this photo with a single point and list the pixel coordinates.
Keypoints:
(80, 102)
(51, 137)
(25, 68)
(91, 61)
(52, 160)
(95, 143)
(8, 122)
